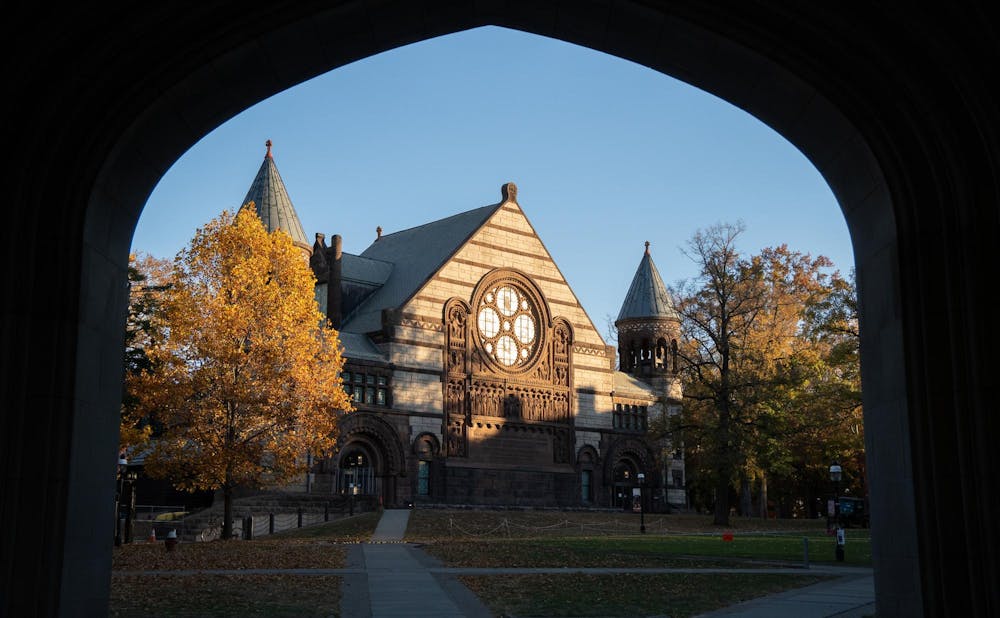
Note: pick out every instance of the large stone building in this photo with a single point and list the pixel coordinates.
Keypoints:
(477, 376)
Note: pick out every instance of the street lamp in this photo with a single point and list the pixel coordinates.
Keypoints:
(836, 472)
(642, 510)
(119, 496)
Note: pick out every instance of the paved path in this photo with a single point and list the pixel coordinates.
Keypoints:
(401, 580)
(848, 597)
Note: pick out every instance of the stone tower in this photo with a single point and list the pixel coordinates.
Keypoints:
(273, 205)
(648, 331)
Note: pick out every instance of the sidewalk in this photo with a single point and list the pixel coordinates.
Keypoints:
(847, 597)
(389, 578)
(400, 580)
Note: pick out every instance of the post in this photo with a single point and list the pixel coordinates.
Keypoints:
(270, 523)
(248, 527)
(326, 512)
(805, 552)
(642, 507)
(835, 475)
(300, 516)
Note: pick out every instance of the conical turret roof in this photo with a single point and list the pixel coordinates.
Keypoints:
(272, 203)
(647, 297)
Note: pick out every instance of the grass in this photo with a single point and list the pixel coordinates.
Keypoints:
(492, 539)
(231, 596)
(224, 596)
(550, 538)
(625, 595)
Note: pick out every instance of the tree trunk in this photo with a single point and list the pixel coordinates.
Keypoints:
(227, 511)
(721, 502)
(763, 496)
(723, 470)
(746, 500)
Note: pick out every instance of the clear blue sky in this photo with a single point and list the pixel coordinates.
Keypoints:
(606, 154)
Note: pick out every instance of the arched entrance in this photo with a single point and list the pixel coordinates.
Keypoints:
(357, 474)
(370, 459)
(623, 480)
(893, 106)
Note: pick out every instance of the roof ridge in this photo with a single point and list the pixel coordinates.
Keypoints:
(442, 219)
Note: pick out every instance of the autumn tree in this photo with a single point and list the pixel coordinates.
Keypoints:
(741, 321)
(148, 278)
(246, 379)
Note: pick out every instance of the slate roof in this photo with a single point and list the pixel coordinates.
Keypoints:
(647, 297)
(360, 347)
(274, 207)
(626, 385)
(415, 255)
(364, 270)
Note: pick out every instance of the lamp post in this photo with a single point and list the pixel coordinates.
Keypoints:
(835, 475)
(119, 496)
(642, 510)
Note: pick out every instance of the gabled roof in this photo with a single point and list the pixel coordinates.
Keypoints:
(415, 254)
(273, 205)
(647, 297)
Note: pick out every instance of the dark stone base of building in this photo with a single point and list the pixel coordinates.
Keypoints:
(496, 487)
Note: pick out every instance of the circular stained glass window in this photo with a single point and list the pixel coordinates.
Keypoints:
(508, 325)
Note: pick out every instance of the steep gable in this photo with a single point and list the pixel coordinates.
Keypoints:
(506, 239)
(416, 254)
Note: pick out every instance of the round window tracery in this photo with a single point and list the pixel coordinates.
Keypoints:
(508, 325)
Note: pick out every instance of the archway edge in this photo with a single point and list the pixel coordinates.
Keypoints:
(107, 101)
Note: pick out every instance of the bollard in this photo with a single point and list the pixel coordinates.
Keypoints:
(300, 517)
(270, 523)
(805, 552)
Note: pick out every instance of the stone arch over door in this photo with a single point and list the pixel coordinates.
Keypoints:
(902, 127)
(629, 456)
(379, 440)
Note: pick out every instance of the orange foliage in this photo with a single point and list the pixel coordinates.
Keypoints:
(246, 379)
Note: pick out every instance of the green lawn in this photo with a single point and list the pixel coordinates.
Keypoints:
(496, 539)
(676, 596)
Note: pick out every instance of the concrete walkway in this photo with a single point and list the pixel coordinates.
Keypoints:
(848, 597)
(402, 580)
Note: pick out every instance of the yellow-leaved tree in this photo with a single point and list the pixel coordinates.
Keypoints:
(246, 377)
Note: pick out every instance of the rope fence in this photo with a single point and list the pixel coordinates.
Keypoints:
(612, 527)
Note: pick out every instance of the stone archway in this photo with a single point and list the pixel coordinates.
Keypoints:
(892, 106)
(378, 443)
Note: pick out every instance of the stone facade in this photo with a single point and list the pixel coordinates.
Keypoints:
(481, 380)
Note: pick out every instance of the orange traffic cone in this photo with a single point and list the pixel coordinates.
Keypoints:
(152, 535)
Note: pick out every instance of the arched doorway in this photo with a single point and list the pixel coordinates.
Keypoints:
(356, 474)
(623, 480)
(893, 107)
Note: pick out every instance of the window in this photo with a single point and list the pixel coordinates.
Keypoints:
(507, 319)
(585, 486)
(367, 388)
(423, 478)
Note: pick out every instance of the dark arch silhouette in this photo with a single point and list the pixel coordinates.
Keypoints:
(891, 104)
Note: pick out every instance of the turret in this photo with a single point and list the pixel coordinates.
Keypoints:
(648, 326)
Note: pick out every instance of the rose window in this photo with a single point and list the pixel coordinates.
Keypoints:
(508, 325)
